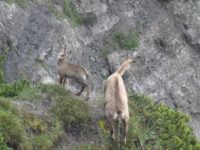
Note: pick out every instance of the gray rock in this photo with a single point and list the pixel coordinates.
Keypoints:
(168, 57)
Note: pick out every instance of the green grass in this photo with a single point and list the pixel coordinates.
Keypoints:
(151, 126)
(77, 19)
(21, 3)
(2, 62)
(89, 147)
(120, 40)
(13, 89)
(27, 131)
(54, 10)
(126, 41)
(70, 12)
(3, 145)
(31, 94)
(11, 126)
(154, 127)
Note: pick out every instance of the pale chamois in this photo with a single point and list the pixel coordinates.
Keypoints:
(72, 71)
(116, 101)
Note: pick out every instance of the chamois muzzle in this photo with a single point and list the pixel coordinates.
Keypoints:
(134, 61)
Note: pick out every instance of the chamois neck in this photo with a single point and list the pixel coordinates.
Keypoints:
(122, 69)
(60, 61)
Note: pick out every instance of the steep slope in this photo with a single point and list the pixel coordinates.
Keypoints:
(33, 32)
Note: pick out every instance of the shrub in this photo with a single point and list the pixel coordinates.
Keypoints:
(154, 126)
(2, 61)
(3, 145)
(26, 131)
(21, 3)
(30, 94)
(13, 89)
(89, 147)
(88, 19)
(160, 127)
(126, 41)
(120, 40)
(10, 124)
(42, 133)
(71, 111)
(69, 10)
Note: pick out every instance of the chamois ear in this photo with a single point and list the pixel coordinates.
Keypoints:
(65, 50)
(134, 61)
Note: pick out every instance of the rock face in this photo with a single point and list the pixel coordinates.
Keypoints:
(168, 55)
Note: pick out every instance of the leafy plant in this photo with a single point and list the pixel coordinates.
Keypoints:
(120, 40)
(13, 89)
(10, 124)
(71, 111)
(2, 61)
(160, 127)
(154, 126)
(3, 145)
(21, 3)
(126, 41)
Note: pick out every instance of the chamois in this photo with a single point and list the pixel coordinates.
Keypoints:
(76, 72)
(116, 100)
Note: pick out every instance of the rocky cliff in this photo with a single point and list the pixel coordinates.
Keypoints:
(33, 32)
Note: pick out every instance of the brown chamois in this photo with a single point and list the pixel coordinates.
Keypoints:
(116, 106)
(72, 71)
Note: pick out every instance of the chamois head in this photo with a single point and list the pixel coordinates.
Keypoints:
(62, 54)
(125, 66)
(127, 63)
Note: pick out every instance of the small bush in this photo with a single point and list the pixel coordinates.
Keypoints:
(2, 61)
(89, 147)
(71, 111)
(155, 127)
(158, 126)
(53, 90)
(126, 41)
(43, 135)
(21, 3)
(69, 10)
(13, 89)
(3, 145)
(21, 130)
(120, 40)
(30, 93)
(88, 19)
(10, 125)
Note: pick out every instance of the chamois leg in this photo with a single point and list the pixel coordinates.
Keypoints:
(125, 123)
(111, 127)
(88, 93)
(64, 81)
(82, 89)
(61, 80)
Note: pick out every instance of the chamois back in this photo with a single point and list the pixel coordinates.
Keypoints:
(116, 98)
(73, 71)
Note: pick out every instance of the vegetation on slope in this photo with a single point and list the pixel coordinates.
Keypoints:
(156, 126)
(27, 128)
(152, 126)
(120, 40)
(68, 11)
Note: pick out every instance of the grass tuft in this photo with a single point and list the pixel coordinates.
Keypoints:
(21, 3)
